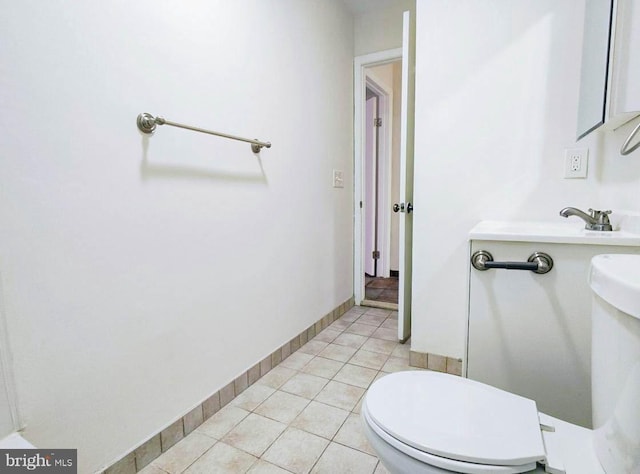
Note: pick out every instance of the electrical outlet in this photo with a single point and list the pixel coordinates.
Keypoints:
(576, 163)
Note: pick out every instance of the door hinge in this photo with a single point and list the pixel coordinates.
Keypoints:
(376, 254)
(360, 204)
(377, 122)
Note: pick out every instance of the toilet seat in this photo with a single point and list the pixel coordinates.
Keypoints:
(472, 427)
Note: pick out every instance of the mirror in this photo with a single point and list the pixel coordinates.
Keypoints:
(595, 63)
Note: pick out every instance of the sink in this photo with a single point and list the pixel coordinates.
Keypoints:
(552, 232)
(616, 279)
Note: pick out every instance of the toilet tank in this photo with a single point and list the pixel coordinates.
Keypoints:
(615, 282)
(530, 334)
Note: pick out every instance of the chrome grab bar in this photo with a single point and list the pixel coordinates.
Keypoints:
(147, 124)
(626, 149)
(538, 262)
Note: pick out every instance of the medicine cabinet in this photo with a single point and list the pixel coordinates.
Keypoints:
(610, 74)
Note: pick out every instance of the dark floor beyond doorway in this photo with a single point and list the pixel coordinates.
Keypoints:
(381, 289)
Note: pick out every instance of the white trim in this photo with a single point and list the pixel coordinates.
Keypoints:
(359, 88)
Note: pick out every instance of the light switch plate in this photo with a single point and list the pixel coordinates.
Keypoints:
(338, 179)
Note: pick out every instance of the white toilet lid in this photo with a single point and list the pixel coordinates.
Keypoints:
(457, 418)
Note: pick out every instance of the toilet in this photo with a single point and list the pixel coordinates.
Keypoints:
(430, 422)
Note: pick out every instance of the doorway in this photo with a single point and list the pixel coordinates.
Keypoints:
(377, 178)
(403, 207)
(380, 184)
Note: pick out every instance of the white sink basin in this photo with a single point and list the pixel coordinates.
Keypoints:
(616, 279)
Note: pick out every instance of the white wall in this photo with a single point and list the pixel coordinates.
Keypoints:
(142, 274)
(496, 102)
(380, 29)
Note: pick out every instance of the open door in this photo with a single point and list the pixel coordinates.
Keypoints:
(370, 185)
(405, 207)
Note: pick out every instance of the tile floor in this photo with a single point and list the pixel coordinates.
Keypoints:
(303, 415)
(381, 289)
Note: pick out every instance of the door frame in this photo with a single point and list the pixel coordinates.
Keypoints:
(384, 94)
(362, 80)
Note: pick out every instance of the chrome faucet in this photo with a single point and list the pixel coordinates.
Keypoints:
(597, 220)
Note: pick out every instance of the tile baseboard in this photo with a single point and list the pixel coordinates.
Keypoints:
(438, 363)
(379, 304)
(138, 458)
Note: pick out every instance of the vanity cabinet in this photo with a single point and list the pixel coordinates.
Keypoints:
(610, 73)
(529, 333)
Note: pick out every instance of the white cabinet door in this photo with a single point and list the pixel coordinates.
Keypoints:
(530, 334)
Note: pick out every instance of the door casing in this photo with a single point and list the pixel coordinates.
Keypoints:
(362, 80)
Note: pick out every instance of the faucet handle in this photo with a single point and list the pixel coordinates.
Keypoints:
(602, 219)
(595, 213)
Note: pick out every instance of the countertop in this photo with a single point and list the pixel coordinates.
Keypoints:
(552, 232)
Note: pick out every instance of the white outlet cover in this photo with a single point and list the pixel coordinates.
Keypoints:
(573, 155)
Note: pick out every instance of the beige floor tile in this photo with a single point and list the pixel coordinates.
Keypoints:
(380, 375)
(264, 467)
(358, 406)
(296, 450)
(337, 352)
(320, 419)
(151, 469)
(380, 469)
(371, 320)
(393, 315)
(371, 360)
(390, 324)
(322, 367)
(252, 397)
(396, 364)
(346, 460)
(222, 458)
(357, 309)
(276, 377)
(378, 345)
(254, 434)
(222, 422)
(313, 347)
(352, 435)
(282, 407)
(328, 335)
(386, 334)
(304, 385)
(361, 329)
(181, 455)
(402, 351)
(340, 325)
(350, 316)
(297, 360)
(355, 375)
(350, 340)
(340, 395)
(385, 313)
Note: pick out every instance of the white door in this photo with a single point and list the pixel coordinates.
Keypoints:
(406, 174)
(370, 185)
